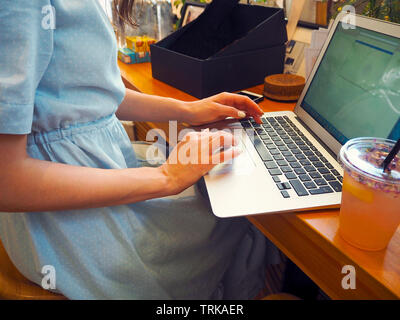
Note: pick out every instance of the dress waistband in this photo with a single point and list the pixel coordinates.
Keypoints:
(61, 133)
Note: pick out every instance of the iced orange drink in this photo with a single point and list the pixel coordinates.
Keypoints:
(370, 209)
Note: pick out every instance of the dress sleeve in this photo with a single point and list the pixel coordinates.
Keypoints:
(26, 45)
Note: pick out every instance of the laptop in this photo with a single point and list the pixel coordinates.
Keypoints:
(289, 162)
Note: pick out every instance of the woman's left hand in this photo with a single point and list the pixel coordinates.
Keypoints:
(221, 106)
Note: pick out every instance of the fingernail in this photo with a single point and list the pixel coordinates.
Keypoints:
(241, 114)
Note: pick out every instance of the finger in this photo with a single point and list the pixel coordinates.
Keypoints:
(225, 156)
(240, 102)
(228, 111)
(221, 139)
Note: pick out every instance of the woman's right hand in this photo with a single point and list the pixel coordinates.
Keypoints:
(196, 155)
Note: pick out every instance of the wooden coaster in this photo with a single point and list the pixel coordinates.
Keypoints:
(284, 87)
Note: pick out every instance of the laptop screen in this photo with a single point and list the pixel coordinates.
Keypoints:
(356, 89)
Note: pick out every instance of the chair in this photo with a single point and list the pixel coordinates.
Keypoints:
(14, 286)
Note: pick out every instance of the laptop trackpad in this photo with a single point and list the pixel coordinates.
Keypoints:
(241, 165)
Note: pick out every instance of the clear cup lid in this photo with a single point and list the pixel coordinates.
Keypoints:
(362, 158)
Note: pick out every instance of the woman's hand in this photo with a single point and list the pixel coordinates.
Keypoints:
(195, 155)
(221, 106)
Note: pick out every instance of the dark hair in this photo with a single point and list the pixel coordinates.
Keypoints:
(124, 12)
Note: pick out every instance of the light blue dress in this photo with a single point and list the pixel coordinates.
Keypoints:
(61, 86)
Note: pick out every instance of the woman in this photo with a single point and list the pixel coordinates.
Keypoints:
(71, 193)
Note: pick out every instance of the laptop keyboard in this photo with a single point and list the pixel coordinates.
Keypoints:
(291, 159)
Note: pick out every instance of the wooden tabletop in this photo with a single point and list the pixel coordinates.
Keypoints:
(310, 239)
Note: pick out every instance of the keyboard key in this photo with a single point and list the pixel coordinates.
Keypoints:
(260, 130)
(309, 153)
(286, 169)
(298, 187)
(270, 146)
(329, 177)
(285, 194)
(282, 163)
(304, 177)
(304, 148)
(340, 178)
(284, 136)
(264, 137)
(323, 159)
(246, 124)
(315, 175)
(310, 185)
(336, 186)
(320, 182)
(318, 164)
(274, 172)
(321, 190)
(329, 165)
(313, 158)
(290, 158)
(296, 151)
(315, 191)
(305, 162)
(326, 189)
(278, 157)
(290, 175)
(286, 185)
(283, 148)
(270, 165)
(309, 168)
(335, 172)
(280, 144)
(300, 156)
(274, 152)
(262, 151)
(266, 141)
(323, 170)
(276, 179)
(299, 171)
(295, 165)
(280, 186)
(286, 153)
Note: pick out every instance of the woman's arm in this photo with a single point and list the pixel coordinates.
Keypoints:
(143, 107)
(29, 185)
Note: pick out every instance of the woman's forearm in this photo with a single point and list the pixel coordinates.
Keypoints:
(28, 185)
(143, 107)
(35, 185)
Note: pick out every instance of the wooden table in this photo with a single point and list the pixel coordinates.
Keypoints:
(309, 239)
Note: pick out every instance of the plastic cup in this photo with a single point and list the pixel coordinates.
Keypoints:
(370, 209)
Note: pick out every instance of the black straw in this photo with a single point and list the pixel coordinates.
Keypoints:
(391, 155)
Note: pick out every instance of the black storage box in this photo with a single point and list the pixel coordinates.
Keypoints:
(229, 47)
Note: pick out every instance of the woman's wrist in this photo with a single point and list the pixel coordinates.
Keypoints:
(186, 113)
(167, 182)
